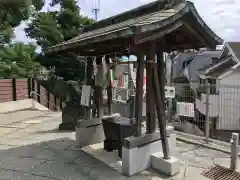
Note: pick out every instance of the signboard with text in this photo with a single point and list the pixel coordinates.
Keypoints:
(85, 97)
(169, 92)
(185, 109)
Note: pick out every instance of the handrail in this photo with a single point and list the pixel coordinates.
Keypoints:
(34, 92)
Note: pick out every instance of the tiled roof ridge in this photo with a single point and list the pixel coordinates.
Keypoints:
(149, 7)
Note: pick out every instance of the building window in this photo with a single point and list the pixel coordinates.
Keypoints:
(213, 89)
(202, 81)
(212, 82)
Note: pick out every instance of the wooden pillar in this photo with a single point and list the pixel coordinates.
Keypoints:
(89, 74)
(94, 106)
(161, 66)
(99, 93)
(109, 88)
(139, 92)
(160, 105)
(150, 105)
(99, 101)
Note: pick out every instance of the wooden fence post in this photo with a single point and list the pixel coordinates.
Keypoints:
(61, 101)
(39, 93)
(14, 91)
(33, 84)
(29, 87)
(55, 103)
(48, 99)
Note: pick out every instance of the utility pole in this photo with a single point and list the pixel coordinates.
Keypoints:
(96, 8)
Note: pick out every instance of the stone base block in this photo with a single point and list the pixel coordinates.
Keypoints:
(169, 167)
(137, 159)
(67, 127)
(89, 132)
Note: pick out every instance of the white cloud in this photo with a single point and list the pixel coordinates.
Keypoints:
(221, 16)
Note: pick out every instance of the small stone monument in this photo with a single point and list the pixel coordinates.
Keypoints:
(71, 113)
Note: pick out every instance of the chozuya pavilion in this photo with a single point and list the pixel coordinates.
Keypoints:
(149, 30)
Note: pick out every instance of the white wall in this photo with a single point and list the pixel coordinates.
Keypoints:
(229, 102)
(225, 105)
(213, 105)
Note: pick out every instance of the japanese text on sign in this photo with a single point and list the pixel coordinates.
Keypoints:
(185, 109)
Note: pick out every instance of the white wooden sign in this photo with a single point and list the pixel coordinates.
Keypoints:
(85, 97)
(144, 109)
(185, 109)
(169, 92)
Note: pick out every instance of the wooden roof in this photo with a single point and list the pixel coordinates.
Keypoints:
(178, 24)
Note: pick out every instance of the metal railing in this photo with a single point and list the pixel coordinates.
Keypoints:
(44, 97)
(216, 110)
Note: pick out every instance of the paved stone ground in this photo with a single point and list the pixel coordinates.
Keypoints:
(32, 149)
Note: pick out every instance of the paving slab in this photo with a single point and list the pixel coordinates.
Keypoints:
(32, 148)
(16, 163)
(16, 175)
(6, 130)
(19, 116)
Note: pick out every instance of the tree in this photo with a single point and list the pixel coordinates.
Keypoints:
(51, 28)
(45, 29)
(70, 20)
(18, 60)
(12, 13)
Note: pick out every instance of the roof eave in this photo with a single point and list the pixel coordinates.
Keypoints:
(114, 35)
(131, 31)
(229, 72)
(235, 58)
(217, 39)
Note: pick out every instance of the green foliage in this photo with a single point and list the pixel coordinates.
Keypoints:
(70, 20)
(18, 60)
(187, 95)
(51, 28)
(12, 13)
(69, 67)
(44, 29)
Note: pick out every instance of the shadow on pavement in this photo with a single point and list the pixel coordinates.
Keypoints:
(57, 159)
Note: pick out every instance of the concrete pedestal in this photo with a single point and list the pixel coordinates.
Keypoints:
(65, 126)
(89, 132)
(136, 153)
(169, 167)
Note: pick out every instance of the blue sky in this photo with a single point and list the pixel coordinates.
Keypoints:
(223, 16)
